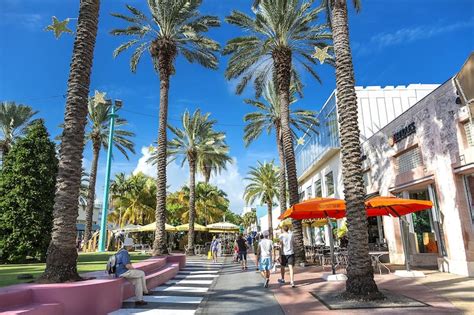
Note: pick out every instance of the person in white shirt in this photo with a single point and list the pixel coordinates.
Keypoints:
(265, 253)
(287, 255)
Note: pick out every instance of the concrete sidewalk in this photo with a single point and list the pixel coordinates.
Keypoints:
(239, 292)
(444, 293)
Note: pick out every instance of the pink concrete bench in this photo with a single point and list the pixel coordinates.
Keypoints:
(99, 296)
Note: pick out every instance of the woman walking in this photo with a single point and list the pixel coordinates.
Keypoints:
(214, 248)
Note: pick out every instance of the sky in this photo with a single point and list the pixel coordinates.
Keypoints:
(393, 43)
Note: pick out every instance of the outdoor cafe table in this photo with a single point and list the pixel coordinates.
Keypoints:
(375, 256)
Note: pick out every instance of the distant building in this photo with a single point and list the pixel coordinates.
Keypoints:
(81, 219)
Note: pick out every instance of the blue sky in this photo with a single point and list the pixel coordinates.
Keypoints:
(394, 43)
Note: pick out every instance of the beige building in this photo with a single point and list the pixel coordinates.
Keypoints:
(422, 151)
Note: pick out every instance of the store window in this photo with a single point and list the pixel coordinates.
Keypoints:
(309, 193)
(366, 178)
(468, 132)
(329, 179)
(409, 160)
(469, 184)
(301, 196)
(317, 189)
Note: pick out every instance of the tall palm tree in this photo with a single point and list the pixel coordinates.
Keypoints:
(84, 190)
(282, 34)
(268, 118)
(360, 278)
(98, 134)
(61, 262)
(194, 140)
(13, 120)
(176, 27)
(263, 186)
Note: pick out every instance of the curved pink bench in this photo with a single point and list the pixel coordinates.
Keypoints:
(99, 296)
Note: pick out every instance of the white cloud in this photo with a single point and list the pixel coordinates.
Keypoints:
(230, 180)
(408, 35)
(31, 21)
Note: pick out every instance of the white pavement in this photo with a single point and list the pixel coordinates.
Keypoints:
(179, 296)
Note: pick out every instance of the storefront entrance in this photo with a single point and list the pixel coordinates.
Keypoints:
(423, 225)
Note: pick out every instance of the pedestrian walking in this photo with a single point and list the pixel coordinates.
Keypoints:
(249, 241)
(242, 247)
(124, 269)
(256, 241)
(287, 255)
(215, 248)
(265, 253)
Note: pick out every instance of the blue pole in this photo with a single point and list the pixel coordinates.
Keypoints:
(105, 203)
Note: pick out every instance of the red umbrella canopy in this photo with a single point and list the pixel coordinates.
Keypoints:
(316, 208)
(395, 207)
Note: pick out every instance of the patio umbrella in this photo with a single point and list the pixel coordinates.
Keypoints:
(222, 227)
(316, 208)
(152, 227)
(197, 227)
(397, 207)
(319, 208)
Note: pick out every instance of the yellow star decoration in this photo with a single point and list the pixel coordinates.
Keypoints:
(99, 98)
(300, 141)
(58, 27)
(321, 54)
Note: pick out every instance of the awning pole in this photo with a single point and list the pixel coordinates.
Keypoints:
(331, 246)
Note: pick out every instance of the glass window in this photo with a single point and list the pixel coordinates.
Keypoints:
(469, 182)
(317, 189)
(468, 131)
(329, 179)
(366, 178)
(309, 193)
(409, 160)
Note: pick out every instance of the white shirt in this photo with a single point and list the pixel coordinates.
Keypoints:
(287, 241)
(266, 248)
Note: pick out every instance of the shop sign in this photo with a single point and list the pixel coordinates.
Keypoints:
(402, 134)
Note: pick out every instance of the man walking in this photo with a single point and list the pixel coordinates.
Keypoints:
(287, 255)
(242, 247)
(264, 252)
(124, 269)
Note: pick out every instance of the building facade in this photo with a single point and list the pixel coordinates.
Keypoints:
(417, 143)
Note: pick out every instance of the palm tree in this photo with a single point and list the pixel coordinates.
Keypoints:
(98, 134)
(138, 204)
(195, 140)
(13, 120)
(175, 27)
(267, 117)
(211, 203)
(213, 163)
(283, 33)
(84, 190)
(360, 278)
(264, 187)
(249, 218)
(61, 262)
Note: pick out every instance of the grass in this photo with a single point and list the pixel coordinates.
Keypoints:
(87, 262)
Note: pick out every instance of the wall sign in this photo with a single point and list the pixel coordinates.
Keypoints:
(402, 134)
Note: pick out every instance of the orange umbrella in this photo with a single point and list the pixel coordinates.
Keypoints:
(395, 207)
(316, 208)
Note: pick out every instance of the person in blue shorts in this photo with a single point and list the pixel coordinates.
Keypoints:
(265, 253)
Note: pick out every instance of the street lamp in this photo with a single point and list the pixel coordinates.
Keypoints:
(105, 204)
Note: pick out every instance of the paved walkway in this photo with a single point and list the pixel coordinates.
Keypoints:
(179, 296)
(239, 292)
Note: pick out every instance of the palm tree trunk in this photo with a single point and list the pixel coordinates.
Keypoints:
(192, 205)
(61, 262)
(282, 63)
(207, 174)
(270, 219)
(360, 282)
(91, 192)
(282, 196)
(159, 245)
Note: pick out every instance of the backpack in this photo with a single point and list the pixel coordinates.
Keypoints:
(111, 266)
